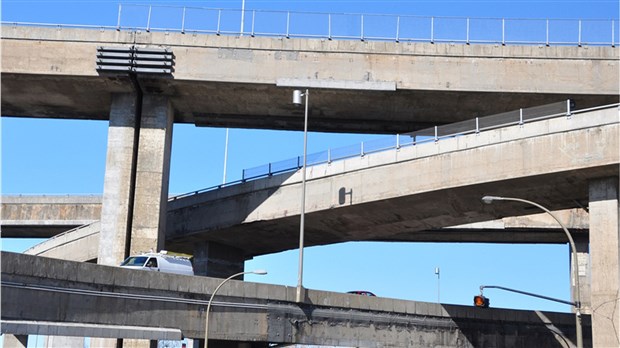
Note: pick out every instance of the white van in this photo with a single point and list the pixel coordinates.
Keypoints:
(160, 262)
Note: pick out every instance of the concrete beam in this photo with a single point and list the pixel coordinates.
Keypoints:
(251, 312)
(43, 216)
(434, 83)
(47, 328)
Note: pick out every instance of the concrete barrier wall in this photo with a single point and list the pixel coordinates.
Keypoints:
(43, 289)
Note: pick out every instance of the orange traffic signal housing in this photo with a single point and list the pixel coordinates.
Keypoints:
(481, 301)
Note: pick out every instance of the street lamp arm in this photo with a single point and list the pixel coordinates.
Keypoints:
(574, 304)
(575, 269)
(259, 272)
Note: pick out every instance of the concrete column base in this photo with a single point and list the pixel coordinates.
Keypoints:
(217, 260)
(605, 258)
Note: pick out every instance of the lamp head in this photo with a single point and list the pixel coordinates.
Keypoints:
(259, 272)
(490, 199)
(297, 94)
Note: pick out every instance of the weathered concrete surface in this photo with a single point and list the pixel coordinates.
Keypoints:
(119, 180)
(251, 312)
(396, 195)
(605, 258)
(232, 81)
(42, 216)
(152, 176)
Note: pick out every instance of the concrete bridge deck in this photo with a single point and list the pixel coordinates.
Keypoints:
(376, 87)
(116, 302)
(397, 195)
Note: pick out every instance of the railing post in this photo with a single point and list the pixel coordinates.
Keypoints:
(362, 29)
(397, 141)
(547, 36)
(148, 22)
(329, 26)
(432, 29)
(243, 175)
(288, 23)
(613, 33)
(219, 21)
(362, 149)
(520, 117)
(568, 110)
(253, 20)
(467, 42)
(329, 155)
(269, 169)
(118, 23)
(579, 42)
(397, 28)
(503, 32)
(436, 134)
(477, 126)
(183, 21)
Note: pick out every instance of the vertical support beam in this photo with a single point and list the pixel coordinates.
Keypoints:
(605, 258)
(217, 260)
(117, 192)
(152, 175)
(14, 341)
(583, 255)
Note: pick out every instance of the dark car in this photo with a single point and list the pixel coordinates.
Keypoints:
(361, 292)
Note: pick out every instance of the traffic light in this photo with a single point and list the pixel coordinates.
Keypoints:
(481, 301)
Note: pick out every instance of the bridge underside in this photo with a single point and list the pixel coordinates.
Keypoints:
(266, 106)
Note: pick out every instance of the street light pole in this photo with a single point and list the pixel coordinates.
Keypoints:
(258, 271)
(297, 94)
(575, 269)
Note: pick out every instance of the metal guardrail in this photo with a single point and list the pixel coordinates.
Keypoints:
(360, 26)
(395, 142)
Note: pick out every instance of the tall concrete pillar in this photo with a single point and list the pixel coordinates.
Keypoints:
(118, 181)
(217, 260)
(152, 175)
(605, 259)
(135, 191)
(583, 254)
(14, 341)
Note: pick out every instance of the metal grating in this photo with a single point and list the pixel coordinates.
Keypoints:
(135, 59)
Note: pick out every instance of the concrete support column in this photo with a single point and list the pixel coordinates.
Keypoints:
(583, 254)
(14, 341)
(117, 192)
(217, 260)
(605, 259)
(152, 175)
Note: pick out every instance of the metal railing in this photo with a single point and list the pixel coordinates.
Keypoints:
(360, 26)
(395, 142)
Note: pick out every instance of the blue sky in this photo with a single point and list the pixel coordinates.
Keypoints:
(42, 156)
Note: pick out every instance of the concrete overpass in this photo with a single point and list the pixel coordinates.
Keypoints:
(80, 299)
(48, 73)
(430, 186)
(358, 86)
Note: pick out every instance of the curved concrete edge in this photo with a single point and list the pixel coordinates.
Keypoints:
(79, 244)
